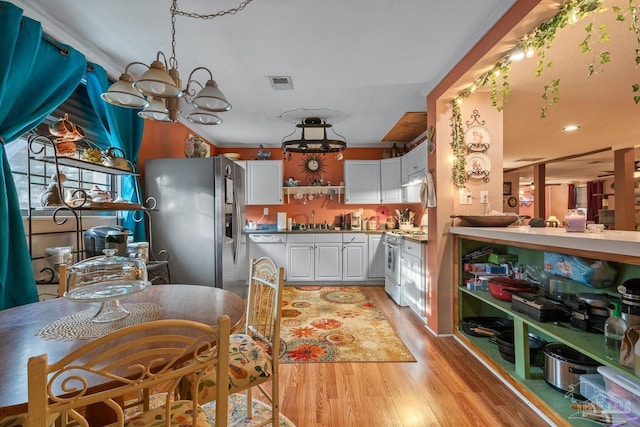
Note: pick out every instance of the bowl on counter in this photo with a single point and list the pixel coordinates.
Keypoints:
(232, 156)
(488, 220)
(58, 256)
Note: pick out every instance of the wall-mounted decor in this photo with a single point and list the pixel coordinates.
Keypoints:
(478, 166)
(477, 138)
(313, 166)
(506, 188)
(195, 146)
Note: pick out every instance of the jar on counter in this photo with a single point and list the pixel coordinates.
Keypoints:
(139, 250)
(391, 223)
(374, 223)
(575, 220)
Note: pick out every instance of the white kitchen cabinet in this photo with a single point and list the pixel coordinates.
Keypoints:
(414, 164)
(375, 268)
(328, 257)
(264, 182)
(390, 180)
(354, 257)
(300, 257)
(362, 181)
(413, 283)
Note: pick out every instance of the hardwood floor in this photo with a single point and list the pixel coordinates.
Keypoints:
(447, 386)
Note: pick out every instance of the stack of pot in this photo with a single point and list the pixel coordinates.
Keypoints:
(630, 304)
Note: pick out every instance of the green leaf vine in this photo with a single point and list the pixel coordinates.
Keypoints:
(458, 168)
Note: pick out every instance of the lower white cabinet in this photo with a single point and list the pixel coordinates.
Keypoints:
(328, 257)
(300, 257)
(354, 257)
(375, 269)
(413, 283)
(333, 257)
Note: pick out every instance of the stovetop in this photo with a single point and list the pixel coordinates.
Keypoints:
(407, 233)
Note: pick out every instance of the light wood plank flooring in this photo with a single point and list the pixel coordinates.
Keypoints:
(445, 387)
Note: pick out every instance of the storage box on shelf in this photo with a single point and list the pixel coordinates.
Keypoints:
(524, 375)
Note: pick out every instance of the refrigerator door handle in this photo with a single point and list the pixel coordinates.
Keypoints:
(236, 229)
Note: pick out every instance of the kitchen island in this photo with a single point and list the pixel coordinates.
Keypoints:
(620, 248)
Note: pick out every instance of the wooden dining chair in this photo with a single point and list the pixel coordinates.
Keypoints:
(253, 353)
(127, 362)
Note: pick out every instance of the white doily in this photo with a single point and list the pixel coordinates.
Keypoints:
(79, 326)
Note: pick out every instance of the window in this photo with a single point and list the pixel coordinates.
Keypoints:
(80, 112)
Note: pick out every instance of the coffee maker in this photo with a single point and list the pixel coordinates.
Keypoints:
(356, 221)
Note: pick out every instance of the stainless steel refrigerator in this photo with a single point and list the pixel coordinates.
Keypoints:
(198, 219)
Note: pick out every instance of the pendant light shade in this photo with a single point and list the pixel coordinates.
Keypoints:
(156, 110)
(123, 94)
(211, 98)
(156, 82)
(202, 117)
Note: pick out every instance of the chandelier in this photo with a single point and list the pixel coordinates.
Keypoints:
(158, 91)
(313, 138)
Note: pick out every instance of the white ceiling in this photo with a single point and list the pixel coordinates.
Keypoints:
(372, 60)
(365, 61)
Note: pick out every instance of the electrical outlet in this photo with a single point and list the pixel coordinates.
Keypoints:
(266, 211)
(465, 196)
(484, 197)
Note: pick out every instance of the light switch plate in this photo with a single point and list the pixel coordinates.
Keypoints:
(465, 196)
(484, 197)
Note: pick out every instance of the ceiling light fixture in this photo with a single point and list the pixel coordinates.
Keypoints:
(159, 91)
(570, 128)
(313, 138)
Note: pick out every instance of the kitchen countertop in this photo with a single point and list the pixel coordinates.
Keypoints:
(609, 241)
(272, 229)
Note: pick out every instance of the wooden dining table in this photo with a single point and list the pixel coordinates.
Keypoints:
(19, 326)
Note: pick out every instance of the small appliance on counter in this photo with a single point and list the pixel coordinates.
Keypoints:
(356, 221)
(104, 237)
(282, 220)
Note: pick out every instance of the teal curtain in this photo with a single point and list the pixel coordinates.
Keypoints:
(124, 128)
(35, 77)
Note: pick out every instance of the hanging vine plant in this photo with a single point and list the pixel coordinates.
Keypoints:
(458, 168)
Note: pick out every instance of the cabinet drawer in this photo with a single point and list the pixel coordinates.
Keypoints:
(354, 238)
(412, 248)
(329, 238)
(300, 238)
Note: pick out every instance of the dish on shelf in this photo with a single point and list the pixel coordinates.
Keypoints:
(477, 138)
(478, 165)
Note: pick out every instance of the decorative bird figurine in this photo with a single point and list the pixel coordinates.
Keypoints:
(263, 155)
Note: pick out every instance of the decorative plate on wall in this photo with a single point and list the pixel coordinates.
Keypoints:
(478, 166)
(477, 138)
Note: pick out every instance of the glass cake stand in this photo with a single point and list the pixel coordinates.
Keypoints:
(109, 294)
(106, 279)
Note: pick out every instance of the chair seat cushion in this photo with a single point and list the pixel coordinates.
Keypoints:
(248, 361)
(181, 416)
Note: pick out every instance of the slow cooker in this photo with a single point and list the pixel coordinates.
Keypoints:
(104, 236)
(630, 303)
(563, 367)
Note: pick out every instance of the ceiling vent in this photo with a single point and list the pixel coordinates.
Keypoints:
(281, 82)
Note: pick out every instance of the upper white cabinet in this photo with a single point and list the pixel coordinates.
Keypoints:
(264, 182)
(414, 164)
(390, 180)
(362, 181)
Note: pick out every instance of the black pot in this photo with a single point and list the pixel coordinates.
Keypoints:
(504, 341)
(485, 326)
(563, 367)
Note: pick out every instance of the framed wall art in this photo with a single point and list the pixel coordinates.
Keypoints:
(506, 188)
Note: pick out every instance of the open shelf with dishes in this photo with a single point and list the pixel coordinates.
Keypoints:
(73, 197)
(309, 192)
(524, 374)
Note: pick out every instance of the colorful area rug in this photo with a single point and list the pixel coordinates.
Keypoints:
(336, 324)
(237, 411)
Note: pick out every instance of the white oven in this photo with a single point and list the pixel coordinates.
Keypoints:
(392, 268)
